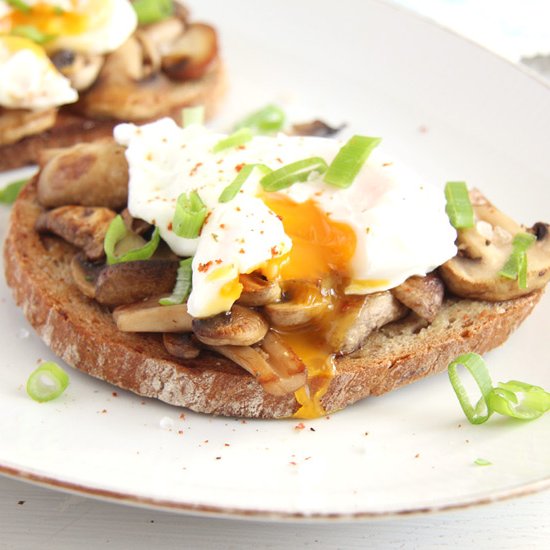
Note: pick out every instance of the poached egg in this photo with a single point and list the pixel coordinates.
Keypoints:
(387, 226)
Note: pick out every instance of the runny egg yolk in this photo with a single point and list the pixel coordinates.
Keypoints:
(321, 249)
(53, 21)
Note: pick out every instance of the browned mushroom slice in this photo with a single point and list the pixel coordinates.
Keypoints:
(129, 282)
(240, 326)
(485, 248)
(85, 274)
(181, 345)
(315, 128)
(83, 226)
(88, 174)
(15, 124)
(80, 68)
(150, 316)
(258, 291)
(424, 295)
(357, 316)
(303, 303)
(190, 55)
(278, 370)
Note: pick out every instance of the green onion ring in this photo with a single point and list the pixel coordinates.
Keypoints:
(47, 382)
(349, 160)
(459, 208)
(516, 264)
(183, 286)
(189, 215)
(240, 137)
(519, 400)
(116, 232)
(477, 368)
(292, 173)
(269, 119)
(230, 192)
(9, 193)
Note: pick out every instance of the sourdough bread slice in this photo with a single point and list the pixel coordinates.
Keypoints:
(71, 127)
(83, 334)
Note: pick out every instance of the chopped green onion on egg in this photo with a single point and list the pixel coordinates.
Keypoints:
(349, 160)
(236, 139)
(47, 382)
(292, 173)
(183, 286)
(459, 208)
(9, 193)
(32, 33)
(230, 192)
(189, 216)
(116, 232)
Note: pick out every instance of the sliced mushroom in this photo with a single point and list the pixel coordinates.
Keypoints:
(89, 174)
(274, 365)
(357, 316)
(485, 248)
(258, 291)
(181, 345)
(85, 274)
(83, 226)
(15, 124)
(190, 55)
(150, 316)
(240, 326)
(315, 128)
(129, 282)
(80, 68)
(161, 35)
(424, 295)
(303, 303)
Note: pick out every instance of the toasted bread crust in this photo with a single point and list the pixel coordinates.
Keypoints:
(72, 128)
(84, 335)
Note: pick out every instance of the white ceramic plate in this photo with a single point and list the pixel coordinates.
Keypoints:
(450, 109)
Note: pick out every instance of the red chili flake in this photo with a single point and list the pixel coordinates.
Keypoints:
(169, 226)
(226, 445)
(274, 251)
(239, 167)
(241, 147)
(219, 261)
(182, 416)
(195, 168)
(203, 268)
(114, 394)
(180, 432)
(205, 441)
(238, 208)
(387, 164)
(300, 426)
(423, 129)
(241, 251)
(279, 160)
(307, 458)
(222, 225)
(416, 455)
(292, 463)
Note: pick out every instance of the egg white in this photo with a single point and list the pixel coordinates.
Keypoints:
(399, 221)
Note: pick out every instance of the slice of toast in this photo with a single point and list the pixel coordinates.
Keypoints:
(83, 334)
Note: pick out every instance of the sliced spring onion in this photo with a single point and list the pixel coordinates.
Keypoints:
(519, 400)
(189, 216)
(192, 115)
(182, 289)
(230, 192)
(9, 193)
(459, 208)
(240, 137)
(116, 232)
(151, 11)
(19, 5)
(47, 382)
(516, 264)
(30, 32)
(483, 462)
(476, 367)
(349, 160)
(264, 121)
(292, 173)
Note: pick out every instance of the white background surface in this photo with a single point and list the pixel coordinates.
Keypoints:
(36, 517)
